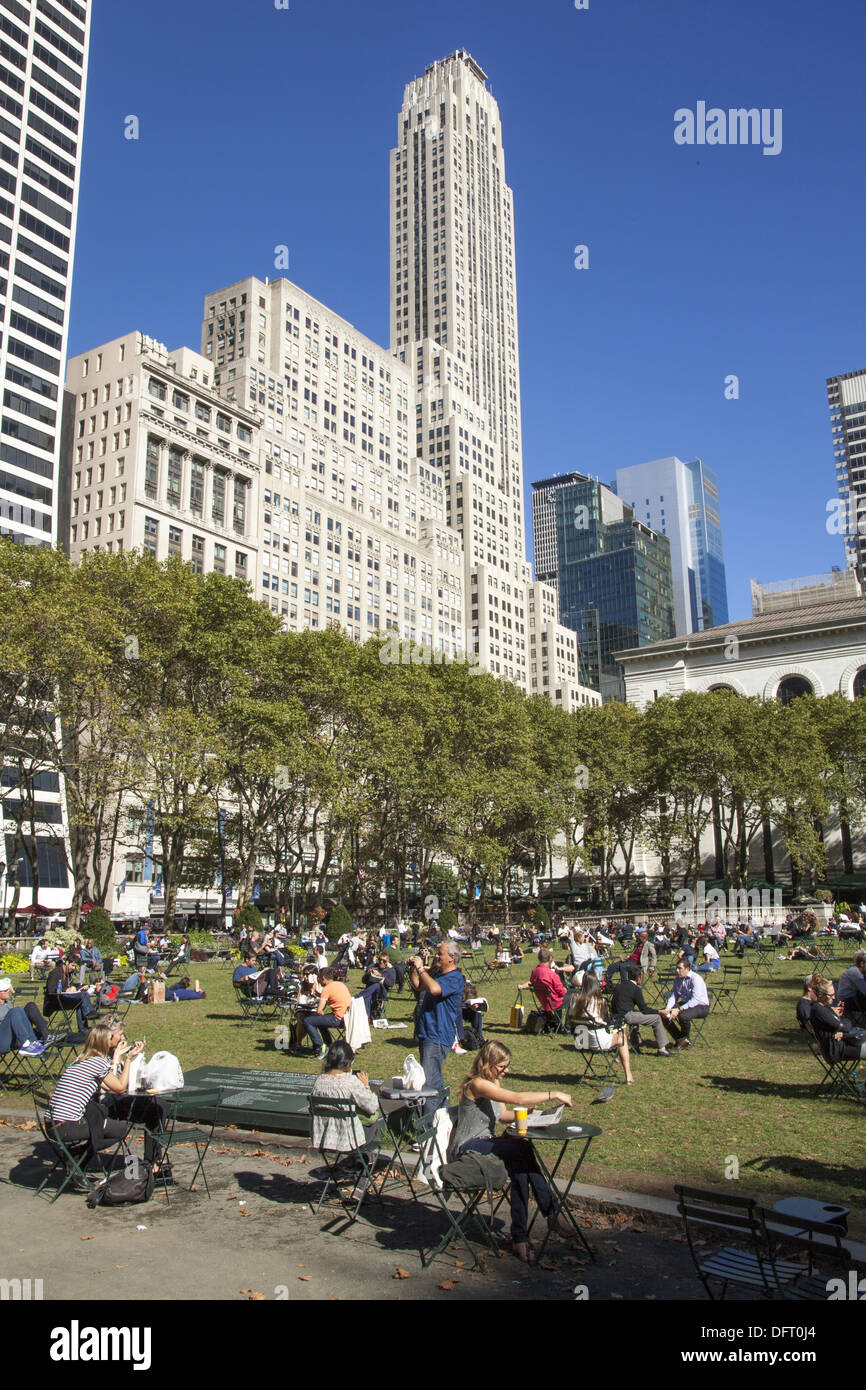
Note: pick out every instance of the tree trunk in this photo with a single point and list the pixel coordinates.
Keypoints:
(769, 864)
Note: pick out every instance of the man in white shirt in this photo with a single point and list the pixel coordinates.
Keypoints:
(689, 1000)
(42, 952)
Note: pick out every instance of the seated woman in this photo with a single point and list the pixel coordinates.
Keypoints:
(483, 1103)
(337, 1082)
(710, 958)
(588, 1004)
(838, 1036)
(182, 991)
(95, 1086)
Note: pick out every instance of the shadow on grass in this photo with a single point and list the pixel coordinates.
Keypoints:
(811, 1170)
(748, 1085)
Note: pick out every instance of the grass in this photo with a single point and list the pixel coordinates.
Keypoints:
(748, 1097)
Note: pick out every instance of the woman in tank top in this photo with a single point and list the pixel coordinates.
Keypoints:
(483, 1103)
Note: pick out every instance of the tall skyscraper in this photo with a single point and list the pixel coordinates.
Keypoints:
(611, 572)
(43, 76)
(847, 399)
(454, 324)
(681, 501)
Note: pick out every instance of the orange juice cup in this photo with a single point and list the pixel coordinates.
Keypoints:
(520, 1116)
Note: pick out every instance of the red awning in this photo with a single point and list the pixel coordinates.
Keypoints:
(85, 908)
(36, 911)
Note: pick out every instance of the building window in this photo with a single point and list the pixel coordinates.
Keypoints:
(174, 540)
(175, 474)
(197, 555)
(791, 688)
(219, 559)
(860, 683)
(196, 487)
(151, 468)
(157, 389)
(240, 565)
(218, 510)
(151, 535)
(239, 514)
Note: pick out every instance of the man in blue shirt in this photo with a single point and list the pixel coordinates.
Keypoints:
(689, 1000)
(441, 1005)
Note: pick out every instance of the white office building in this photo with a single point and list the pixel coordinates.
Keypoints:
(43, 77)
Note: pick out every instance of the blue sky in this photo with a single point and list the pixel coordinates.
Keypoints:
(262, 127)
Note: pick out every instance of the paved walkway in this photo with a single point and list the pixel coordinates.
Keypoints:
(257, 1235)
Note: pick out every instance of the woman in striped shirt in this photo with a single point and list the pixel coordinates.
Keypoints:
(75, 1107)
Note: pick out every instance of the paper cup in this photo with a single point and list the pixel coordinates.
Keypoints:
(396, 1083)
(520, 1117)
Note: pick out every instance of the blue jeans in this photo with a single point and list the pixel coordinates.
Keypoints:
(316, 1021)
(15, 1029)
(433, 1054)
(370, 993)
(523, 1170)
(82, 1005)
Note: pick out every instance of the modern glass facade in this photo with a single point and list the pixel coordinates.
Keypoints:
(612, 574)
(681, 501)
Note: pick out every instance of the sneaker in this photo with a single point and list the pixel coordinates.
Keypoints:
(31, 1049)
(322, 1052)
(460, 1051)
(668, 1056)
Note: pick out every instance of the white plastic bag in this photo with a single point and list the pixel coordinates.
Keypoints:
(413, 1075)
(163, 1073)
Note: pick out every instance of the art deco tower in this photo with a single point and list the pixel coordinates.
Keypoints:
(454, 324)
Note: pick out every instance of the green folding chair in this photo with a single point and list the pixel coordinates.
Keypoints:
(464, 1213)
(353, 1169)
(203, 1105)
(72, 1156)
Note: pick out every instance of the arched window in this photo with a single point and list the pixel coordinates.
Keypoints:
(859, 683)
(791, 688)
(730, 689)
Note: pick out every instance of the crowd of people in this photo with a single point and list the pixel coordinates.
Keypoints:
(595, 994)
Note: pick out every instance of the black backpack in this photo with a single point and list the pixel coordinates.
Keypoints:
(536, 1023)
(134, 1184)
(471, 1041)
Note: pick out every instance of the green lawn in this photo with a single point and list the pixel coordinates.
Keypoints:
(749, 1096)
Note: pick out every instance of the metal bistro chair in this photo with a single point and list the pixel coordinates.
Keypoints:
(72, 1156)
(467, 1207)
(744, 1257)
(806, 1255)
(254, 1007)
(839, 1076)
(725, 992)
(204, 1105)
(354, 1168)
(599, 1064)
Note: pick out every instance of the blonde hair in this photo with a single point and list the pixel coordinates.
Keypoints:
(98, 1042)
(487, 1060)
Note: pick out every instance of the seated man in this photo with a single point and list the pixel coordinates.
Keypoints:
(628, 1006)
(90, 970)
(377, 981)
(851, 990)
(58, 995)
(689, 1000)
(546, 985)
(41, 953)
(260, 981)
(21, 1030)
(334, 1003)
